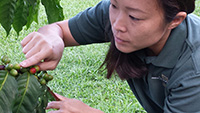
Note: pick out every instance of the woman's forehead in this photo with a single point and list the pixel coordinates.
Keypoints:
(139, 5)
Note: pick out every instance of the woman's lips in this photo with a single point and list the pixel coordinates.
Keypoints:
(120, 41)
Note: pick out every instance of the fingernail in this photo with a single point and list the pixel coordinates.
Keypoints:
(23, 64)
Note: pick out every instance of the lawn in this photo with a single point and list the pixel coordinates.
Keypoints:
(77, 75)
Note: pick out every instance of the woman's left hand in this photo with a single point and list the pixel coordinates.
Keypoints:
(67, 105)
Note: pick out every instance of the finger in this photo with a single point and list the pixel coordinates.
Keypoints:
(57, 111)
(31, 52)
(27, 39)
(28, 46)
(54, 105)
(48, 65)
(61, 97)
(35, 42)
(35, 59)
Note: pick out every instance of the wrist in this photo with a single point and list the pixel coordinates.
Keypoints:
(51, 29)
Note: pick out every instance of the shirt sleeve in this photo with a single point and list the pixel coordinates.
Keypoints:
(89, 26)
(184, 93)
(185, 98)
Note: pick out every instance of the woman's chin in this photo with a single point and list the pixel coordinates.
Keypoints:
(124, 49)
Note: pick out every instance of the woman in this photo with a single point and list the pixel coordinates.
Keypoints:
(155, 46)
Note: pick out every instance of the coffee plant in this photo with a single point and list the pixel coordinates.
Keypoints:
(19, 13)
(23, 90)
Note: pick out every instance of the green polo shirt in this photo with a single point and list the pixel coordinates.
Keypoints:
(173, 81)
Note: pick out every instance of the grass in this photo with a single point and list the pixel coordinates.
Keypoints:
(77, 75)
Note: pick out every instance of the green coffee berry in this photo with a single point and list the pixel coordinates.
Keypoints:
(50, 77)
(16, 66)
(5, 59)
(13, 72)
(42, 81)
(23, 70)
(45, 76)
(9, 67)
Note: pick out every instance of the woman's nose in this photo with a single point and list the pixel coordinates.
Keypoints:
(120, 23)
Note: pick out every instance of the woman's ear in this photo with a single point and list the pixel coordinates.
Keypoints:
(177, 20)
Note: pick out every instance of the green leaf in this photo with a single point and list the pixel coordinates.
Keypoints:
(21, 14)
(53, 10)
(7, 9)
(33, 13)
(29, 91)
(31, 2)
(8, 90)
(43, 100)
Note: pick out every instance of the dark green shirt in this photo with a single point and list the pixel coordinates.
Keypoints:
(173, 81)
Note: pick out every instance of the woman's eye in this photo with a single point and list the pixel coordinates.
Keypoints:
(133, 18)
(113, 6)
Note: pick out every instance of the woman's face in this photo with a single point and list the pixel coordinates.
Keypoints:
(138, 24)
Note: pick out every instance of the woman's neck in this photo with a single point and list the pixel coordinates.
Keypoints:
(155, 49)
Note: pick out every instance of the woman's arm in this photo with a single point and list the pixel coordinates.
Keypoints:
(47, 44)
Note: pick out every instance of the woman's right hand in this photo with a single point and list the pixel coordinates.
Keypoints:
(47, 45)
(39, 47)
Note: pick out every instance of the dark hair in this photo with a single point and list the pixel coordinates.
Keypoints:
(129, 65)
(172, 7)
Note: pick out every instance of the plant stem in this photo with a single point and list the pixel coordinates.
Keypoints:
(53, 94)
(2, 67)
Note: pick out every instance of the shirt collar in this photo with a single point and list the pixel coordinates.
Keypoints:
(170, 53)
